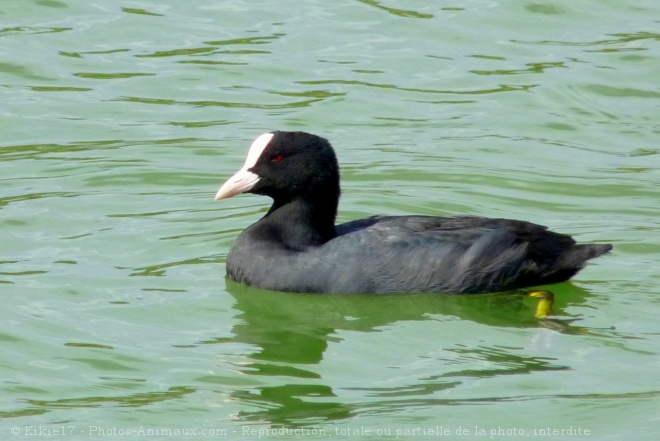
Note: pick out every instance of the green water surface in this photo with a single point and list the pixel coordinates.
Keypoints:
(120, 119)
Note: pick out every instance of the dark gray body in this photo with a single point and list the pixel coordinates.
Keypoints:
(405, 254)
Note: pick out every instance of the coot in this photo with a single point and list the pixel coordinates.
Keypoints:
(296, 246)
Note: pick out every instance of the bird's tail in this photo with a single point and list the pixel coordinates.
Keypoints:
(578, 255)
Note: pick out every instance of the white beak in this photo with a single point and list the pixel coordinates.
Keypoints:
(241, 182)
(244, 180)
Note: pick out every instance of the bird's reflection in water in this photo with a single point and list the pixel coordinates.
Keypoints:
(290, 333)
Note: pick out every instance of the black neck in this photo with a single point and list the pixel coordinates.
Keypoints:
(301, 223)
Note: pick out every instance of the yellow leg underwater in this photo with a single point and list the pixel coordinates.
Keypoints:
(544, 306)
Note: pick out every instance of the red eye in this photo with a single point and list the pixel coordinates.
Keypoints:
(276, 158)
